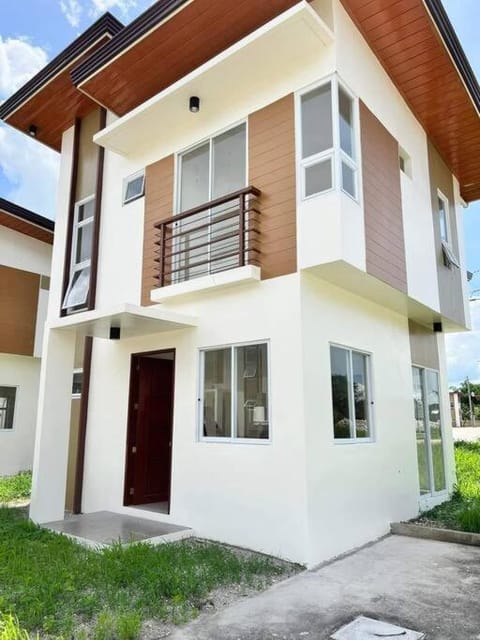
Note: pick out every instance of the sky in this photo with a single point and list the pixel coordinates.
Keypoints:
(32, 32)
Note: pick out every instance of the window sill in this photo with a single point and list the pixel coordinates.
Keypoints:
(220, 280)
(235, 441)
(354, 441)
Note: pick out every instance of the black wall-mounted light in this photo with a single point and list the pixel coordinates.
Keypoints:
(437, 327)
(114, 333)
(194, 104)
(32, 131)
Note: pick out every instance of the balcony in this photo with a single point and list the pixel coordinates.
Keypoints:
(219, 236)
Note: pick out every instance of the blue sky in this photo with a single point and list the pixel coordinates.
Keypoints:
(34, 31)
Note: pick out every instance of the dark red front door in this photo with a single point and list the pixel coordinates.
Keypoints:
(149, 443)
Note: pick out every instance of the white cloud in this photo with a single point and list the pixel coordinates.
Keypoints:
(28, 169)
(72, 10)
(100, 6)
(19, 61)
(463, 351)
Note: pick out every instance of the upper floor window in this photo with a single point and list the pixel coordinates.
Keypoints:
(7, 406)
(351, 394)
(134, 187)
(234, 396)
(79, 282)
(328, 153)
(443, 218)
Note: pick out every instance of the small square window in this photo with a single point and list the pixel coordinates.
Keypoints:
(7, 407)
(77, 383)
(404, 162)
(133, 187)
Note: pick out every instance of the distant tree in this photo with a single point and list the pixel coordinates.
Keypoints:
(462, 390)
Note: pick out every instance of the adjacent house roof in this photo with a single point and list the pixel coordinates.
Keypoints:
(120, 68)
(25, 221)
(49, 101)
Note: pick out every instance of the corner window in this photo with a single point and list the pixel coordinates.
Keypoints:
(77, 383)
(351, 395)
(76, 295)
(7, 407)
(134, 187)
(328, 144)
(234, 396)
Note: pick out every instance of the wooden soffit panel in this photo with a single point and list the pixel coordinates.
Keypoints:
(406, 40)
(198, 31)
(27, 228)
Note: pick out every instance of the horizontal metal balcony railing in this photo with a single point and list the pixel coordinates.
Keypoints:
(218, 235)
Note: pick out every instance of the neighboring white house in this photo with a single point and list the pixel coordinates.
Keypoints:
(25, 255)
(258, 251)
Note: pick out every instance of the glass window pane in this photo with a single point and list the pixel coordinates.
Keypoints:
(77, 383)
(77, 291)
(195, 177)
(345, 109)
(434, 418)
(360, 394)
(84, 243)
(318, 177)
(442, 214)
(342, 424)
(86, 210)
(316, 108)
(7, 406)
(349, 180)
(419, 412)
(229, 162)
(217, 393)
(134, 188)
(252, 391)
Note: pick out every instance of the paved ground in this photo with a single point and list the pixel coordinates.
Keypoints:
(470, 434)
(424, 585)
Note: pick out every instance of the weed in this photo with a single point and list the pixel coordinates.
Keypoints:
(16, 487)
(10, 629)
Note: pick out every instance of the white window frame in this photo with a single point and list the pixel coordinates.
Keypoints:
(16, 387)
(178, 167)
(84, 264)
(201, 388)
(446, 206)
(126, 182)
(426, 418)
(336, 153)
(370, 395)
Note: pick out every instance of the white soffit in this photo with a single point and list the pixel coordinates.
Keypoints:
(274, 54)
(132, 320)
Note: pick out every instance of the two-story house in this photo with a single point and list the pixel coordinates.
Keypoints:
(26, 240)
(258, 252)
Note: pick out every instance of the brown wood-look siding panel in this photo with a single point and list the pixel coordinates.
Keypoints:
(87, 156)
(271, 149)
(159, 180)
(449, 280)
(384, 238)
(18, 310)
(423, 346)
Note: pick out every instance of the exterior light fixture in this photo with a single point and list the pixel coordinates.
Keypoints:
(32, 131)
(194, 104)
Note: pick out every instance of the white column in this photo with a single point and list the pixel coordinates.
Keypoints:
(53, 427)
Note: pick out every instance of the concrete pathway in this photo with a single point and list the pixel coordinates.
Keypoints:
(428, 586)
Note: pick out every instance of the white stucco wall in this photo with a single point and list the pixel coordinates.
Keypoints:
(16, 445)
(23, 252)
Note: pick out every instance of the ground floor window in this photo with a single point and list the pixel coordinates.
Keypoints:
(7, 406)
(234, 395)
(428, 425)
(351, 394)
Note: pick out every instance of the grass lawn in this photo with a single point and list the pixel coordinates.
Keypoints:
(462, 512)
(56, 586)
(14, 488)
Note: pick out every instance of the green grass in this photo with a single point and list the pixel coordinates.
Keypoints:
(10, 629)
(13, 488)
(53, 585)
(462, 512)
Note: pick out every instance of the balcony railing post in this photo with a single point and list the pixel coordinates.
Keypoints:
(241, 230)
(162, 255)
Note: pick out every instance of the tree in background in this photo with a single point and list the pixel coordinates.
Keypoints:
(462, 390)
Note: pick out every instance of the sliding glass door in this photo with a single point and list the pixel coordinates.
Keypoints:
(428, 425)
(208, 240)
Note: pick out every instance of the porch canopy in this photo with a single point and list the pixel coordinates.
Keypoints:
(124, 321)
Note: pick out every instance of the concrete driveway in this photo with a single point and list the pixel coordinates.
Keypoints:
(427, 586)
